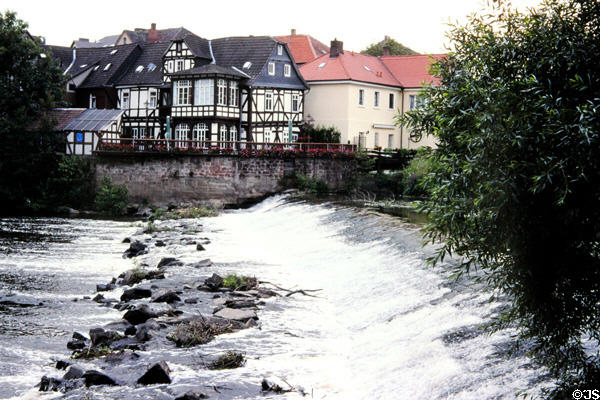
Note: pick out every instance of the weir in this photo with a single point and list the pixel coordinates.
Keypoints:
(215, 180)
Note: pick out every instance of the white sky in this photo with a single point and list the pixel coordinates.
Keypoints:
(418, 24)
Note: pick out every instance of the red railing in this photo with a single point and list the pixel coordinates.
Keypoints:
(242, 148)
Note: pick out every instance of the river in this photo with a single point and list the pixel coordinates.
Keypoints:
(384, 325)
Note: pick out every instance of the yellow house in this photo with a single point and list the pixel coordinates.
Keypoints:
(360, 95)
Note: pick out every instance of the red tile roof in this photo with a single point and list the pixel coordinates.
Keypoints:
(60, 117)
(412, 70)
(348, 66)
(304, 48)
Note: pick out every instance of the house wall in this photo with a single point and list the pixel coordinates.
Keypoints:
(212, 180)
(407, 143)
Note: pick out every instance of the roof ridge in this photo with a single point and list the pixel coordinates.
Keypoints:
(344, 66)
(390, 71)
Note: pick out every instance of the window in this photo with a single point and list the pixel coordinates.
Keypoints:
(182, 92)
(138, 133)
(151, 67)
(295, 102)
(321, 65)
(279, 50)
(96, 67)
(204, 92)
(376, 139)
(181, 135)
(271, 68)
(71, 87)
(139, 68)
(222, 92)
(233, 93)
(107, 66)
(125, 101)
(199, 135)
(92, 101)
(391, 103)
(247, 65)
(179, 65)
(179, 47)
(390, 141)
(361, 97)
(267, 136)
(170, 66)
(113, 52)
(376, 100)
(232, 135)
(152, 99)
(223, 136)
(269, 102)
(287, 70)
(415, 102)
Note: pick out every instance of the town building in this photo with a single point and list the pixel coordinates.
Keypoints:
(304, 48)
(361, 95)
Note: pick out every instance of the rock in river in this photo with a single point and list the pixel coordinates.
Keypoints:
(166, 297)
(135, 293)
(158, 373)
(135, 249)
(93, 378)
(139, 314)
(236, 314)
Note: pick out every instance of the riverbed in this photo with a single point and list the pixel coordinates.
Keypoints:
(384, 325)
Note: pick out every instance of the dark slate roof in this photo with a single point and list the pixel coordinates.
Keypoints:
(61, 55)
(151, 53)
(165, 35)
(235, 51)
(199, 46)
(93, 120)
(101, 57)
(139, 35)
(212, 69)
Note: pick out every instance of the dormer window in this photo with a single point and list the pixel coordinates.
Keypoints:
(113, 52)
(247, 65)
(321, 65)
(96, 67)
(107, 66)
(179, 65)
(151, 67)
(287, 70)
(125, 102)
(83, 66)
(279, 50)
(139, 68)
(271, 68)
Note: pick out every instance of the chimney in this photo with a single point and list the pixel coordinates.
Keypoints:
(293, 32)
(336, 48)
(153, 34)
(386, 47)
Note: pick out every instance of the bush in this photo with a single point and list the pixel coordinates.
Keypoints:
(415, 173)
(238, 282)
(319, 134)
(309, 184)
(71, 184)
(110, 198)
(229, 360)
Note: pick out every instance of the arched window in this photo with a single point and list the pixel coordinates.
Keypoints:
(199, 135)
(223, 137)
(181, 135)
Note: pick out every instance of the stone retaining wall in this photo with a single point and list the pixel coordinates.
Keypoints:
(212, 180)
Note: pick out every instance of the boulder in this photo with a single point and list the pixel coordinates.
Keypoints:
(93, 378)
(129, 343)
(139, 314)
(166, 297)
(214, 283)
(240, 303)
(62, 364)
(126, 240)
(135, 249)
(136, 293)
(158, 373)
(199, 247)
(191, 300)
(73, 373)
(160, 243)
(130, 330)
(105, 288)
(98, 298)
(168, 262)
(50, 384)
(236, 314)
(78, 342)
(192, 395)
(202, 264)
(101, 337)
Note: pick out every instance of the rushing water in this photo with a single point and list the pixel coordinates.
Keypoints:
(384, 325)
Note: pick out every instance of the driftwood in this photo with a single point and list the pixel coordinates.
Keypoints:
(292, 292)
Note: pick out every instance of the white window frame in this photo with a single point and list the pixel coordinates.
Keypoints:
(125, 101)
(232, 134)
(279, 50)
(361, 97)
(181, 135)
(182, 92)
(390, 141)
(221, 92)
(199, 134)
(376, 99)
(391, 101)
(179, 65)
(233, 93)
(271, 68)
(204, 92)
(376, 139)
(287, 70)
(152, 99)
(295, 102)
(222, 135)
(267, 136)
(93, 103)
(268, 101)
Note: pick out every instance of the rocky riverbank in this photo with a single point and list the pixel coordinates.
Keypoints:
(173, 302)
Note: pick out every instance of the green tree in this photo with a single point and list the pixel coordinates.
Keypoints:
(30, 85)
(515, 187)
(318, 134)
(396, 48)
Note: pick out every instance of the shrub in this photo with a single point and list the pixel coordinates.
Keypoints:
(110, 198)
(239, 282)
(229, 360)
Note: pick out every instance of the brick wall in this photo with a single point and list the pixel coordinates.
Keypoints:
(211, 180)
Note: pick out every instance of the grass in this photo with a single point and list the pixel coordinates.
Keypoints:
(90, 353)
(229, 360)
(196, 332)
(233, 281)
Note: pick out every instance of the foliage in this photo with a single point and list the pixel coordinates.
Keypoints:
(110, 198)
(396, 48)
(71, 182)
(318, 134)
(188, 212)
(31, 85)
(91, 353)
(196, 332)
(416, 171)
(310, 184)
(239, 282)
(229, 360)
(515, 188)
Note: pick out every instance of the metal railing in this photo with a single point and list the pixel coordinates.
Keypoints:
(214, 147)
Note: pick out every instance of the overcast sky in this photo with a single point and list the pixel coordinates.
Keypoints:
(418, 24)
